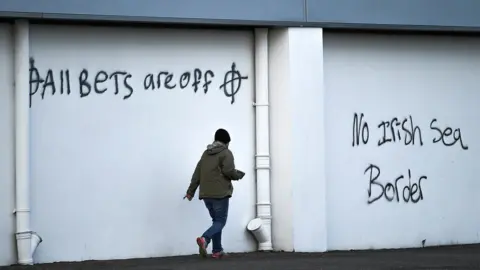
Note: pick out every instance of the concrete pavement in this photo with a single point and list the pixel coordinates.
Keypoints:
(451, 257)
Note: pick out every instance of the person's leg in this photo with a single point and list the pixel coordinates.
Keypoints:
(217, 242)
(219, 213)
(203, 241)
(217, 251)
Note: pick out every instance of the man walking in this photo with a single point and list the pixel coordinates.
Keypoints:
(214, 173)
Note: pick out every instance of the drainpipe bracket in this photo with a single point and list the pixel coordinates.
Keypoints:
(22, 210)
(264, 204)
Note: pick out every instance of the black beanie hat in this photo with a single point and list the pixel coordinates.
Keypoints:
(222, 135)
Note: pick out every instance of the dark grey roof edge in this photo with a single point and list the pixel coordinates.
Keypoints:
(413, 15)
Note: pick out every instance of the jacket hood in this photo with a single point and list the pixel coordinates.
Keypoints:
(215, 148)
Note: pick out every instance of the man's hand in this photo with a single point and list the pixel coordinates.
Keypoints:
(240, 174)
(188, 197)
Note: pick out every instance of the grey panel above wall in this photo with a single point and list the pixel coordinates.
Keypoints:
(411, 14)
(394, 14)
(208, 11)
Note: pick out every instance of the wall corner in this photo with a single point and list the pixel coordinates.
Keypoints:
(308, 128)
(280, 140)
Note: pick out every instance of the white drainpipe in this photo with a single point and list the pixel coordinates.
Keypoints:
(27, 241)
(262, 225)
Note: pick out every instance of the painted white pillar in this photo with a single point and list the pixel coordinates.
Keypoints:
(281, 140)
(309, 178)
(27, 241)
(262, 156)
(297, 137)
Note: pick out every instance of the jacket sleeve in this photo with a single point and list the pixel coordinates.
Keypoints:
(192, 188)
(227, 166)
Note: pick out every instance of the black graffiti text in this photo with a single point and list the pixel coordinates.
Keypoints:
(390, 190)
(232, 82)
(447, 136)
(195, 79)
(98, 81)
(48, 83)
(61, 82)
(394, 130)
(360, 131)
(119, 82)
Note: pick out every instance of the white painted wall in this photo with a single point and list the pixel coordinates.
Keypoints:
(388, 76)
(280, 140)
(7, 173)
(308, 160)
(109, 173)
(297, 139)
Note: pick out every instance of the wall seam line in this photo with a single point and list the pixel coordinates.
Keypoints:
(305, 9)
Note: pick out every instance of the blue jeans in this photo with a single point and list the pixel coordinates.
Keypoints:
(218, 210)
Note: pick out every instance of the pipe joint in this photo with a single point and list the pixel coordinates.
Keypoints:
(260, 104)
(21, 210)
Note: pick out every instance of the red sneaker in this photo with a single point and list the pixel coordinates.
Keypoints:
(219, 255)
(202, 246)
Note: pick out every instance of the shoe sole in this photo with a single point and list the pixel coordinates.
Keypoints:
(201, 247)
(217, 257)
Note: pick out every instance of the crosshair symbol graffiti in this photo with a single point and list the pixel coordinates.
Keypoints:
(232, 83)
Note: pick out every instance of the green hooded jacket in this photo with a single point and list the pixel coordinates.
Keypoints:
(214, 173)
